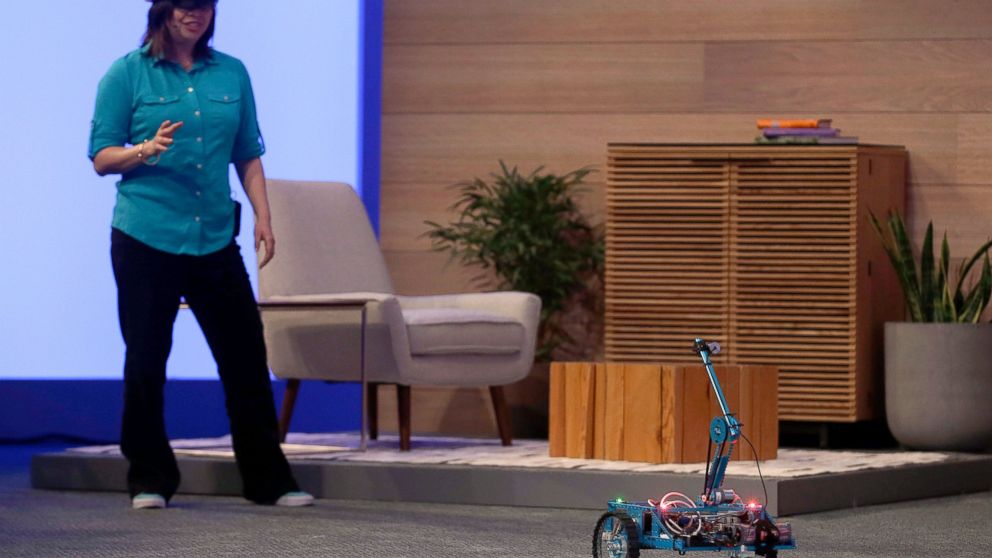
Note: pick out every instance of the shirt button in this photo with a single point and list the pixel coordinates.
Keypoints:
(161, 98)
(199, 139)
(225, 97)
(190, 90)
(197, 113)
(197, 218)
(199, 166)
(197, 193)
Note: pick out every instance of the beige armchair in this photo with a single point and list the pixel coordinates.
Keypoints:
(328, 252)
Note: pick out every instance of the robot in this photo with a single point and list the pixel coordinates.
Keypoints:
(718, 520)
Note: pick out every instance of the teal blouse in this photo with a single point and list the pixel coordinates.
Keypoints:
(183, 204)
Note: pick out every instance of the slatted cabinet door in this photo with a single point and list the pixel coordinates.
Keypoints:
(792, 275)
(666, 252)
(757, 246)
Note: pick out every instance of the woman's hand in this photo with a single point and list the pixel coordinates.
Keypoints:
(162, 140)
(263, 234)
(253, 180)
(119, 159)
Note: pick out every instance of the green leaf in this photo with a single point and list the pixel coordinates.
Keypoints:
(927, 293)
(985, 287)
(943, 306)
(904, 249)
(965, 268)
(949, 305)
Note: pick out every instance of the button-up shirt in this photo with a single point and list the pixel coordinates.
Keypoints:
(182, 204)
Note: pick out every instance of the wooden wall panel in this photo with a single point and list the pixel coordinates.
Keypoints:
(415, 203)
(410, 205)
(566, 21)
(420, 272)
(542, 77)
(923, 76)
(963, 210)
(974, 147)
(441, 149)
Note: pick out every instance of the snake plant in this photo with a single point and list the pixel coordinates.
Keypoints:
(931, 294)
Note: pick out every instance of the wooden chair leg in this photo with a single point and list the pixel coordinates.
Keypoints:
(288, 402)
(403, 409)
(372, 400)
(502, 415)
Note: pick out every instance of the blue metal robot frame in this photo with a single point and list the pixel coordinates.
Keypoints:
(718, 520)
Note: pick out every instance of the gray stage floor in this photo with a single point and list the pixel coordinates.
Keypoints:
(482, 472)
(90, 524)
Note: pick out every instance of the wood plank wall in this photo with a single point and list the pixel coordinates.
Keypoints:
(550, 82)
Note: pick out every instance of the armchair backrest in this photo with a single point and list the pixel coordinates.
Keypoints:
(324, 242)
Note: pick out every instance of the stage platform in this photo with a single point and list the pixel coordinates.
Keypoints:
(474, 471)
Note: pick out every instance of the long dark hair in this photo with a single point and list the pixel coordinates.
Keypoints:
(157, 36)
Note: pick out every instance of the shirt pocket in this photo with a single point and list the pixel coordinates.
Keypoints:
(154, 109)
(224, 112)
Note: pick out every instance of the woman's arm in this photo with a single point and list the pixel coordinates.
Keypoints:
(253, 181)
(119, 160)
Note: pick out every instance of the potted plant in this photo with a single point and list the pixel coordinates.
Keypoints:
(525, 232)
(938, 366)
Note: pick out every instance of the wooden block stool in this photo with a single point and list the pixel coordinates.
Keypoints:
(657, 413)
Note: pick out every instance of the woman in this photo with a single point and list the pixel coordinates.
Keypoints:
(170, 117)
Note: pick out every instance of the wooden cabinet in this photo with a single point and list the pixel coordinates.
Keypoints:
(766, 249)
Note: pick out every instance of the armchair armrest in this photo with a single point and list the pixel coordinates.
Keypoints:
(512, 304)
(322, 300)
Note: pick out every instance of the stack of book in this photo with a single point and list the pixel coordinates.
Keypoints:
(813, 130)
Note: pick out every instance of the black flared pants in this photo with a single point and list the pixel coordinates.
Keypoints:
(150, 283)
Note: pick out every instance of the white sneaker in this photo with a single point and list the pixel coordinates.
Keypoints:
(295, 500)
(148, 501)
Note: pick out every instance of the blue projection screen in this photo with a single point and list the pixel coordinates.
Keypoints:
(57, 293)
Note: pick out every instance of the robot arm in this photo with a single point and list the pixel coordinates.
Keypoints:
(724, 430)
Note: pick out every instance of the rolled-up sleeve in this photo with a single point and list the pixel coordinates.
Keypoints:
(112, 115)
(248, 142)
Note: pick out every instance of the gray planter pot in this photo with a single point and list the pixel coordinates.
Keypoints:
(938, 385)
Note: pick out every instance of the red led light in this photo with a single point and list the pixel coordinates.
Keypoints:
(752, 505)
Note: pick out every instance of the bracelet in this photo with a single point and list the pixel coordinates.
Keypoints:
(150, 161)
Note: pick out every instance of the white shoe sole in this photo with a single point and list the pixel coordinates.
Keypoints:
(295, 500)
(148, 503)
